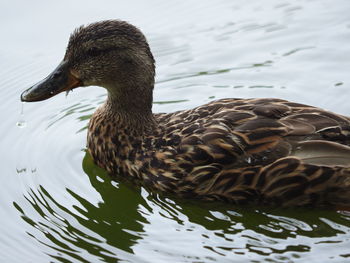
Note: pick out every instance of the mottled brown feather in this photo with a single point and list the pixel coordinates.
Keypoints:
(272, 152)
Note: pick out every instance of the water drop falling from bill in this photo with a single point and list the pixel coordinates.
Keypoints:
(21, 123)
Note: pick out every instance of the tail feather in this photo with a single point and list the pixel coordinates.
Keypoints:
(292, 182)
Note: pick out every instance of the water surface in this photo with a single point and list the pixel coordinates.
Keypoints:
(57, 206)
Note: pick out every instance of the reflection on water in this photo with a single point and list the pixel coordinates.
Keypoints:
(60, 207)
(213, 72)
(113, 223)
(121, 225)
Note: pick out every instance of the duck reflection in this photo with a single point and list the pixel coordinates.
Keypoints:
(125, 220)
(107, 230)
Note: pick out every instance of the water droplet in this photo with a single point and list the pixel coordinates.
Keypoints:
(21, 170)
(21, 123)
(67, 92)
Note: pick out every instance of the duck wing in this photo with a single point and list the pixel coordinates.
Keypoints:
(260, 131)
(262, 150)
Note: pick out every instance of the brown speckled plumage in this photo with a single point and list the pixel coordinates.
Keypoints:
(262, 151)
(267, 151)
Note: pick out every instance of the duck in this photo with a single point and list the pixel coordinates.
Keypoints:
(255, 151)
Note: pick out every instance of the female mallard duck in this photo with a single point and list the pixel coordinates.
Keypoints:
(263, 151)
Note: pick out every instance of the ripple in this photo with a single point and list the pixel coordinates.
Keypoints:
(136, 222)
(60, 207)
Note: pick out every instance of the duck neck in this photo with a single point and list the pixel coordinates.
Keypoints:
(133, 110)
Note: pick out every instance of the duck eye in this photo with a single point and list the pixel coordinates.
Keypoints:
(94, 51)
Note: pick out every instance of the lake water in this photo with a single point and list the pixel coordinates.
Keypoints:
(57, 206)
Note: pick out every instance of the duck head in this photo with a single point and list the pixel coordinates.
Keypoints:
(112, 54)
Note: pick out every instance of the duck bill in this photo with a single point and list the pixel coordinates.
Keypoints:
(61, 79)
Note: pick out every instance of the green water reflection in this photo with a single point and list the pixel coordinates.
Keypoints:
(111, 229)
(115, 220)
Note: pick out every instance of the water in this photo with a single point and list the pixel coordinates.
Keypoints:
(56, 206)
